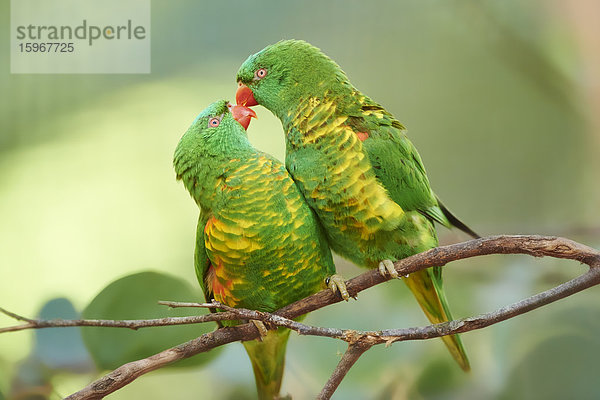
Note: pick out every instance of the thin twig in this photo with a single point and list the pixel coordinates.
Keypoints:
(15, 316)
(134, 324)
(179, 304)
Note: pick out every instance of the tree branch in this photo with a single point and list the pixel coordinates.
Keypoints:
(351, 356)
(537, 246)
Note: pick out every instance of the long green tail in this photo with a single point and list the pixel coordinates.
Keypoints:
(427, 289)
(268, 359)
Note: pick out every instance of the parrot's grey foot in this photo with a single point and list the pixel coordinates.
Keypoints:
(262, 329)
(337, 283)
(387, 267)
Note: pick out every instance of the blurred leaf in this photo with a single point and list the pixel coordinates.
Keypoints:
(61, 348)
(54, 350)
(135, 297)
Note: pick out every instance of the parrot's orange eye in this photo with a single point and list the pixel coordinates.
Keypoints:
(260, 73)
(213, 122)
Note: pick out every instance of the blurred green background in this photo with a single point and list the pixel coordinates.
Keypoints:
(501, 98)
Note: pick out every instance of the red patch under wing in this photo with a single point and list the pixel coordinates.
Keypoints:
(220, 291)
(362, 136)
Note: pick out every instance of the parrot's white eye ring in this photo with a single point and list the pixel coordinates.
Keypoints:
(213, 122)
(260, 73)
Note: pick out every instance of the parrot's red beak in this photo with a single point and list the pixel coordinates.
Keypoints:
(242, 114)
(244, 96)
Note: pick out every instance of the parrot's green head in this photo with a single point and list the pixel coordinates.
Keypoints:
(217, 135)
(283, 74)
(219, 128)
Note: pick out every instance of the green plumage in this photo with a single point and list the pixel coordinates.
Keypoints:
(258, 244)
(355, 166)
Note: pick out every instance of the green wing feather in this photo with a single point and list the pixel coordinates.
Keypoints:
(201, 260)
(395, 161)
(398, 165)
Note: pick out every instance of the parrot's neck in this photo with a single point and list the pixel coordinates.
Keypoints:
(299, 97)
(203, 170)
(313, 112)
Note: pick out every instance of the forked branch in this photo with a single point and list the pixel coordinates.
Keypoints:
(359, 342)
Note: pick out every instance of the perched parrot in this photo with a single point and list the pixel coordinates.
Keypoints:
(258, 244)
(355, 166)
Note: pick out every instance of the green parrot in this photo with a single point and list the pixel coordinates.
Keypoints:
(258, 244)
(355, 166)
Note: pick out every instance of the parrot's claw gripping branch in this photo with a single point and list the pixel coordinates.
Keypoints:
(386, 267)
(260, 326)
(337, 283)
